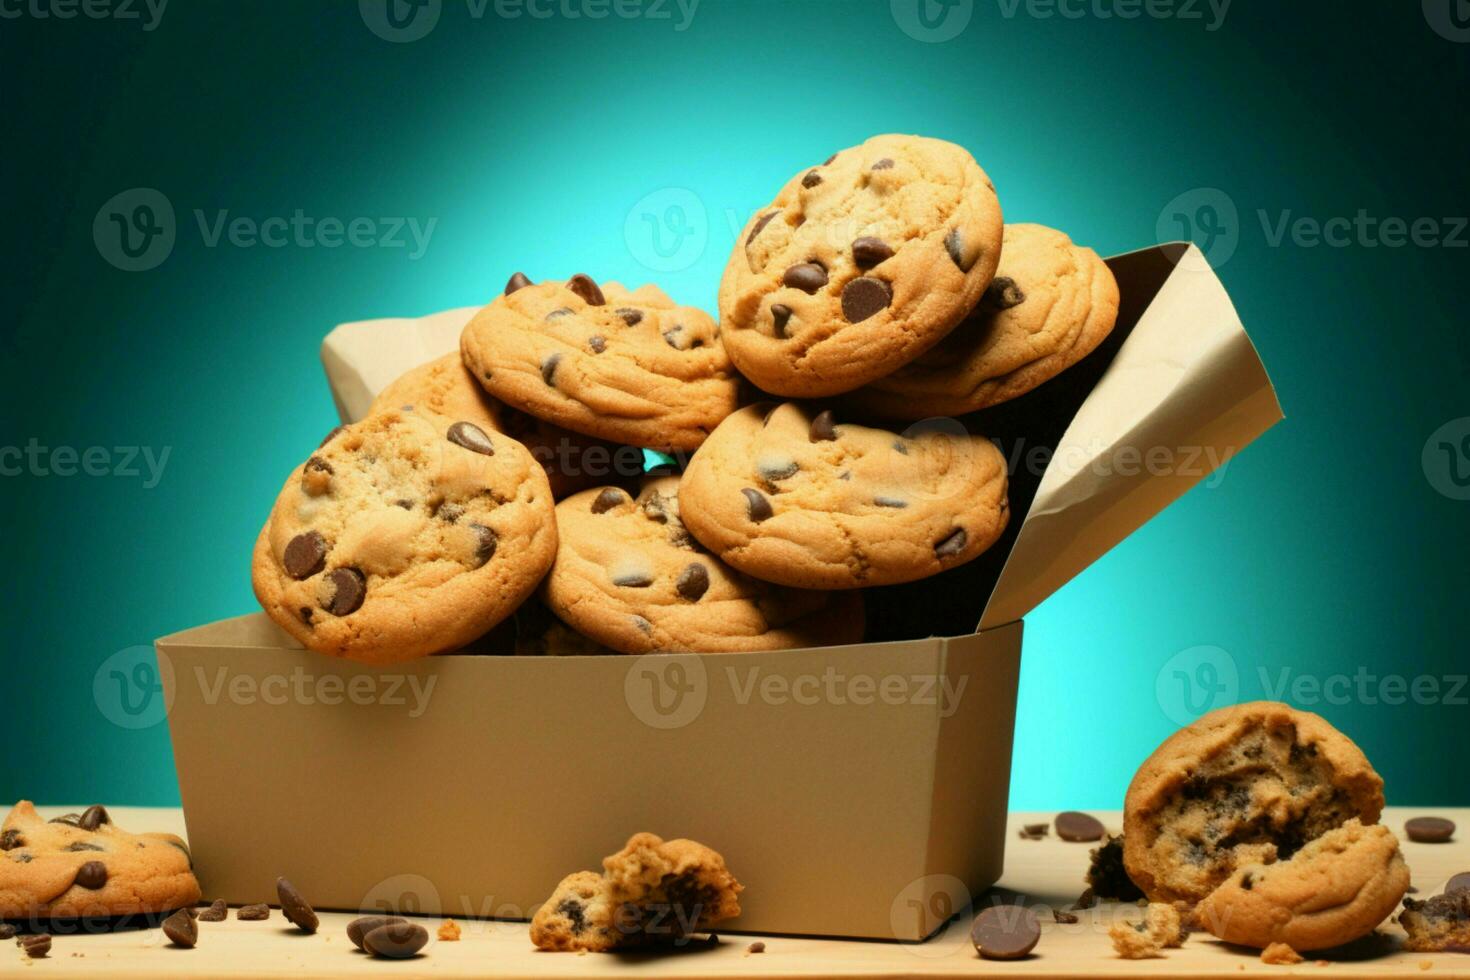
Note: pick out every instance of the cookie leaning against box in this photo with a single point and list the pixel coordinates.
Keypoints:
(627, 366)
(85, 866)
(859, 265)
(1050, 304)
(404, 535)
(629, 576)
(799, 498)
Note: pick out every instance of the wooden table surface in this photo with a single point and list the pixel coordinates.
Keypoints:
(1047, 872)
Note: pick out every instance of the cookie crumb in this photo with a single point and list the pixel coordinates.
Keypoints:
(253, 913)
(449, 931)
(218, 911)
(1162, 928)
(1280, 954)
(756, 947)
(1426, 964)
(1065, 918)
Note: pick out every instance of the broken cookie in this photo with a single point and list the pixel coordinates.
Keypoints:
(1162, 928)
(1438, 924)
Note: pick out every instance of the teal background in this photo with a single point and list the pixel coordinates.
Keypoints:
(1324, 550)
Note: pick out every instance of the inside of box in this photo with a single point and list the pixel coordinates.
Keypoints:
(1032, 426)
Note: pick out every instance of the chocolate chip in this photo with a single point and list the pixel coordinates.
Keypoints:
(607, 499)
(630, 316)
(633, 580)
(1005, 932)
(181, 929)
(253, 913)
(596, 344)
(78, 846)
(92, 875)
(756, 947)
(558, 313)
(318, 465)
(828, 163)
(518, 281)
(7, 931)
(305, 555)
(864, 296)
(1071, 825)
(70, 819)
(405, 504)
(548, 368)
(331, 435)
(1458, 883)
(756, 505)
(900, 448)
(882, 501)
(812, 179)
(471, 437)
(1064, 918)
(644, 625)
(806, 276)
(22, 858)
(349, 588)
(672, 337)
(396, 940)
(823, 429)
(360, 927)
(1002, 294)
(771, 471)
(35, 947)
(868, 252)
(952, 545)
(584, 286)
(217, 912)
(780, 316)
(486, 544)
(693, 581)
(954, 244)
(1247, 882)
(295, 908)
(449, 512)
(1036, 829)
(654, 508)
(10, 840)
(1429, 830)
(765, 219)
(883, 164)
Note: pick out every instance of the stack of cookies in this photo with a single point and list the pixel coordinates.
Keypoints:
(827, 433)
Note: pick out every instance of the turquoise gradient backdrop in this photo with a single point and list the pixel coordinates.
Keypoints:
(1325, 550)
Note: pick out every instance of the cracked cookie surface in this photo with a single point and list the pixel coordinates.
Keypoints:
(859, 265)
(404, 535)
(1050, 304)
(1247, 784)
(84, 865)
(798, 497)
(627, 366)
(1337, 888)
(629, 576)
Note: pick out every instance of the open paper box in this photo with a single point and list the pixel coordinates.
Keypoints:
(856, 791)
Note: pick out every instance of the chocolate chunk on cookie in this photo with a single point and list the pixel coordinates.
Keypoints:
(1247, 784)
(860, 265)
(1439, 923)
(801, 498)
(628, 366)
(416, 535)
(89, 867)
(1049, 306)
(1337, 888)
(628, 576)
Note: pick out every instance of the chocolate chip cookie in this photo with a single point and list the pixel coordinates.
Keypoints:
(1335, 889)
(653, 892)
(801, 498)
(84, 865)
(859, 265)
(629, 576)
(626, 366)
(1050, 304)
(443, 386)
(404, 535)
(1439, 923)
(1249, 784)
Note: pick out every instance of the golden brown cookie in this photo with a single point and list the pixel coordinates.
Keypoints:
(1247, 784)
(859, 265)
(1439, 923)
(580, 914)
(629, 576)
(443, 386)
(404, 535)
(1050, 304)
(628, 366)
(84, 865)
(796, 496)
(1335, 889)
(1161, 928)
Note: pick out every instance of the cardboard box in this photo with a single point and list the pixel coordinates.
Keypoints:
(856, 791)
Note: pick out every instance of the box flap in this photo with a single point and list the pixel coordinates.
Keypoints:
(363, 358)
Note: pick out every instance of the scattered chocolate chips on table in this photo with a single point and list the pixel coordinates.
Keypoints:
(1430, 830)
(181, 929)
(7, 931)
(756, 947)
(1079, 827)
(36, 947)
(1064, 918)
(363, 925)
(1005, 932)
(1459, 883)
(217, 912)
(396, 940)
(253, 913)
(295, 908)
